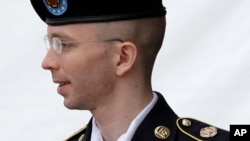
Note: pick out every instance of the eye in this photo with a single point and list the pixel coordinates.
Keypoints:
(66, 44)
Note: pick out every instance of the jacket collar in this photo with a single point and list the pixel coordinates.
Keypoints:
(161, 115)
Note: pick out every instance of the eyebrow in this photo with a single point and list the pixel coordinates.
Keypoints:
(61, 36)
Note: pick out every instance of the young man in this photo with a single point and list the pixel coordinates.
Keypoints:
(101, 55)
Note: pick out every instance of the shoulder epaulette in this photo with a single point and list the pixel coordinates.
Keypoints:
(200, 131)
(78, 134)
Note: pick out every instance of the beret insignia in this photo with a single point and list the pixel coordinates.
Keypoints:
(53, 3)
(56, 7)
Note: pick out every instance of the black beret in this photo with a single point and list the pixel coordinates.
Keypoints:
(57, 12)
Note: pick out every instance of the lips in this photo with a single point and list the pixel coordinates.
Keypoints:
(61, 84)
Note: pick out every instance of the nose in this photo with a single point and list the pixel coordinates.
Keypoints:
(50, 61)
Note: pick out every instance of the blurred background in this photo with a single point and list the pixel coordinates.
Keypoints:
(203, 69)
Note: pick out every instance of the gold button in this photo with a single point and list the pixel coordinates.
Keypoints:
(162, 132)
(186, 122)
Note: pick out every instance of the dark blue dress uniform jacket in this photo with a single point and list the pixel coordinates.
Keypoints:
(162, 124)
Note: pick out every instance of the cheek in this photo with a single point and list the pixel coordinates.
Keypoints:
(89, 65)
(94, 85)
(92, 76)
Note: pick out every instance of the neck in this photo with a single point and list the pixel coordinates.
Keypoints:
(114, 117)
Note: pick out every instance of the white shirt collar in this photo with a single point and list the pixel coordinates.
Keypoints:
(96, 133)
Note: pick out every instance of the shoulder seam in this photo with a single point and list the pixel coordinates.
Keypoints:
(186, 133)
(204, 123)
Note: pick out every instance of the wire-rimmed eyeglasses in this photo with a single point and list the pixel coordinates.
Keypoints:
(57, 44)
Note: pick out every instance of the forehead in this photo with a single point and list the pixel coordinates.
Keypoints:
(74, 30)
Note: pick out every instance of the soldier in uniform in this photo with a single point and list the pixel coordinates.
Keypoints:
(101, 55)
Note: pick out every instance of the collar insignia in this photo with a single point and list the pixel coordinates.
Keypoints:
(162, 132)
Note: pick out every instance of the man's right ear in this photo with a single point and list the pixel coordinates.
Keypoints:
(127, 53)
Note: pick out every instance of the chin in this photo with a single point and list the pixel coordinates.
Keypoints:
(72, 106)
(69, 105)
